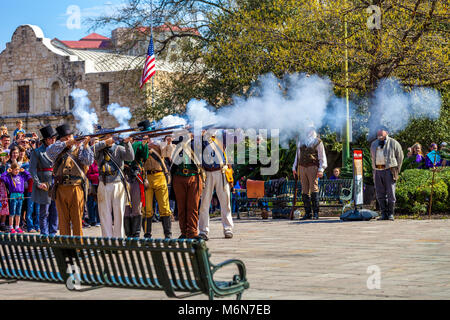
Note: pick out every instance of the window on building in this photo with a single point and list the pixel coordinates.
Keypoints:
(71, 103)
(23, 99)
(104, 94)
(56, 97)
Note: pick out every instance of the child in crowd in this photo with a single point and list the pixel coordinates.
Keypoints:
(4, 210)
(6, 161)
(19, 125)
(14, 179)
(3, 131)
(336, 174)
(433, 158)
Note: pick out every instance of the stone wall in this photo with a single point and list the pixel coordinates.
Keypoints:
(51, 74)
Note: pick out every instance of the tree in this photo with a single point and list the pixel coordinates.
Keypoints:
(282, 36)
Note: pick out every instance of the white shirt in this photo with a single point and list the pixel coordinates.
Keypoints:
(321, 154)
(379, 157)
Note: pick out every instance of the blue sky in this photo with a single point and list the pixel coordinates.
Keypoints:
(51, 16)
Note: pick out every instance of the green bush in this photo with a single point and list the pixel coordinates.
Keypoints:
(413, 191)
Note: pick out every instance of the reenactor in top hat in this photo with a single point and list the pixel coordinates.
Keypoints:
(71, 160)
(41, 170)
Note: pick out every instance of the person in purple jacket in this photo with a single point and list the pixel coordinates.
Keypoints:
(433, 158)
(14, 180)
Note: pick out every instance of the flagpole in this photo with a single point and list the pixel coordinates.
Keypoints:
(346, 140)
(151, 35)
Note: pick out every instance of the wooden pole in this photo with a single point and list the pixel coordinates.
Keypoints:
(432, 186)
(346, 144)
(291, 216)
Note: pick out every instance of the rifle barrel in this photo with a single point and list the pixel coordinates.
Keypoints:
(105, 133)
(151, 134)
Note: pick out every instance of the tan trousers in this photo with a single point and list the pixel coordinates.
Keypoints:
(70, 207)
(158, 188)
(308, 179)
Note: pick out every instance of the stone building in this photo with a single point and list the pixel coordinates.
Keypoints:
(37, 76)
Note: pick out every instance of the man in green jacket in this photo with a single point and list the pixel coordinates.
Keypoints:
(135, 176)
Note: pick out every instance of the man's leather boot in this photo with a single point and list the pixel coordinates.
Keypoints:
(307, 204)
(167, 226)
(147, 227)
(315, 204)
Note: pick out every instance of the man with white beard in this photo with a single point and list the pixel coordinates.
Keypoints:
(310, 163)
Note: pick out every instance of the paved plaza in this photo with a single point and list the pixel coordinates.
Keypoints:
(324, 259)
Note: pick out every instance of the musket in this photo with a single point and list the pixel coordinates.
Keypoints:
(105, 133)
(150, 134)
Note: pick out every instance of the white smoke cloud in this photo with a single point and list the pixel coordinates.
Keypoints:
(394, 107)
(171, 121)
(297, 101)
(291, 105)
(121, 114)
(86, 117)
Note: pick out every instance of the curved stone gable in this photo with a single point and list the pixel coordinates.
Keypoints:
(49, 74)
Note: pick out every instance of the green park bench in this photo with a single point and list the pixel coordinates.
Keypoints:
(332, 193)
(173, 266)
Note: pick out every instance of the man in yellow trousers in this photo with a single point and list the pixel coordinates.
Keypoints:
(157, 176)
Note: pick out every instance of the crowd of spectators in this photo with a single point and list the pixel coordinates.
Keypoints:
(435, 157)
(16, 183)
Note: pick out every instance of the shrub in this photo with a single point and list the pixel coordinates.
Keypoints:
(413, 191)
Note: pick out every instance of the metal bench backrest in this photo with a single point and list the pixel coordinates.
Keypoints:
(334, 189)
(329, 190)
(155, 264)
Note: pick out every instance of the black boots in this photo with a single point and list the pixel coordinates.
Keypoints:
(166, 223)
(315, 204)
(390, 211)
(311, 205)
(383, 209)
(307, 204)
(386, 209)
(147, 227)
(167, 226)
(132, 226)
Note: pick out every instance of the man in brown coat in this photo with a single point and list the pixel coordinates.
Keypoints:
(71, 161)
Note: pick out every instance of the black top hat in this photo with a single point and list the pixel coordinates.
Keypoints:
(145, 125)
(63, 131)
(48, 132)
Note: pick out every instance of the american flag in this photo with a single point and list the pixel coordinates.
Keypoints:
(149, 67)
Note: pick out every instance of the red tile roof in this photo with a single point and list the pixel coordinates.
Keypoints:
(92, 41)
(86, 44)
(94, 36)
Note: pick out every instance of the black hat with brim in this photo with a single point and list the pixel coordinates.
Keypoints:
(145, 125)
(48, 132)
(63, 131)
